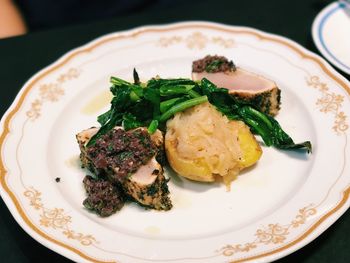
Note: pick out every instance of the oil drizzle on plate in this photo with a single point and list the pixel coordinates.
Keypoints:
(73, 162)
(182, 201)
(152, 230)
(97, 103)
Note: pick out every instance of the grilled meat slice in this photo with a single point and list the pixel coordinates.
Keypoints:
(242, 84)
(148, 186)
(83, 138)
(128, 159)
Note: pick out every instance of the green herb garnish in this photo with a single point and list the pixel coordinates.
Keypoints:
(214, 65)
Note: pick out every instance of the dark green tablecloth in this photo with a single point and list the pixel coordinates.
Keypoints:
(23, 56)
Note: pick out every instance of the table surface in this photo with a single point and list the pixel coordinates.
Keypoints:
(23, 56)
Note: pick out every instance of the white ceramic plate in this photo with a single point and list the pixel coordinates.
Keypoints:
(331, 34)
(280, 205)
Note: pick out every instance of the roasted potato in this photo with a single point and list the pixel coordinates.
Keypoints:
(198, 167)
(195, 169)
(251, 150)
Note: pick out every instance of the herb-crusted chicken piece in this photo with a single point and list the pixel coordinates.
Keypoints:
(129, 159)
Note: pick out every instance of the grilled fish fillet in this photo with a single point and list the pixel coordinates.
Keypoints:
(242, 84)
(257, 90)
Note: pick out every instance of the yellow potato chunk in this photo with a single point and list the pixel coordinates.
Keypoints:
(251, 150)
(202, 145)
(194, 169)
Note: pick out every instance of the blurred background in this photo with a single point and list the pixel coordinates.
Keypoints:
(22, 16)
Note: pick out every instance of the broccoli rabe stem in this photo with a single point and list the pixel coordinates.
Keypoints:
(181, 107)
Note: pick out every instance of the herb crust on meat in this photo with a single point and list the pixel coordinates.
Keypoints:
(128, 161)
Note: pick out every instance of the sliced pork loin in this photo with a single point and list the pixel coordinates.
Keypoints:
(129, 159)
(242, 84)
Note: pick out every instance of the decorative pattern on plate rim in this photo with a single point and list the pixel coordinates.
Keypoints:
(330, 103)
(272, 234)
(50, 92)
(56, 218)
(196, 40)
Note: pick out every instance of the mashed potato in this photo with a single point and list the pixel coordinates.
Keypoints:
(202, 144)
